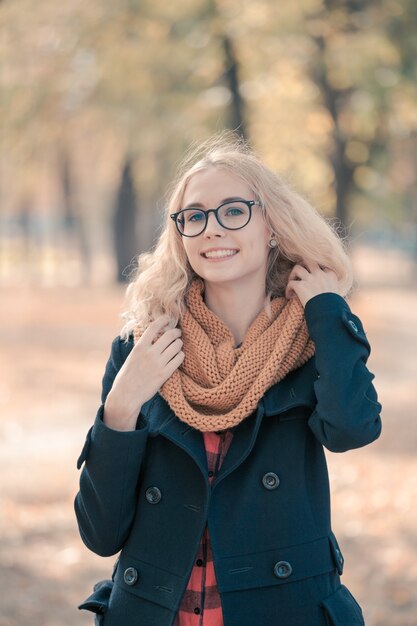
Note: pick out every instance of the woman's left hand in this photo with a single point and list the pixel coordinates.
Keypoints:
(306, 283)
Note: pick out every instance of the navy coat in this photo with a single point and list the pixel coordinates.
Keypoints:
(277, 562)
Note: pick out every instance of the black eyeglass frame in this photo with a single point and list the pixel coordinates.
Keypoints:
(249, 204)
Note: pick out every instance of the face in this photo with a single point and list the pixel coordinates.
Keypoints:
(208, 189)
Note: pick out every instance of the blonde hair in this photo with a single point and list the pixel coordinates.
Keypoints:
(159, 282)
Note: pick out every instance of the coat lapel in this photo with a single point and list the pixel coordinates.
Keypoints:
(163, 421)
(294, 390)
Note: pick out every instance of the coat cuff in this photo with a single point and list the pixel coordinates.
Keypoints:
(105, 441)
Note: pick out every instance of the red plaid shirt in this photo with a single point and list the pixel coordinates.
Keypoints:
(200, 605)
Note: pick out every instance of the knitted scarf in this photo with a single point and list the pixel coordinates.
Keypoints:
(218, 385)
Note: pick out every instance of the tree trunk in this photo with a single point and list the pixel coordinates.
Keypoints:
(236, 113)
(334, 101)
(124, 224)
(73, 222)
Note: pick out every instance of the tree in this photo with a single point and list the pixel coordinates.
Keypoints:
(124, 222)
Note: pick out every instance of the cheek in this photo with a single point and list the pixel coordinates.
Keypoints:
(192, 253)
(257, 247)
(259, 238)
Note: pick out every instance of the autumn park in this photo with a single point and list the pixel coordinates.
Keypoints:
(99, 102)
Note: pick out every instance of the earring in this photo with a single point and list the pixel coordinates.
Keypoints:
(272, 243)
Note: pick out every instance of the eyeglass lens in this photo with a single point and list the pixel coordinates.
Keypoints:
(232, 215)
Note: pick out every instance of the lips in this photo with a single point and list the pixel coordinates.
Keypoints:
(220, 259)
(220, 250)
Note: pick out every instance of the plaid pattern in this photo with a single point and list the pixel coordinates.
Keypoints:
(200, 605)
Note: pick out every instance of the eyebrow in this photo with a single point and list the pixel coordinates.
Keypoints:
(199, 205)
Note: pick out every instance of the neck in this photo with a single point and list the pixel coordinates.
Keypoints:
(235, 306)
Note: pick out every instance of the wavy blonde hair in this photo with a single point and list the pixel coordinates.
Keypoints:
(161, 277)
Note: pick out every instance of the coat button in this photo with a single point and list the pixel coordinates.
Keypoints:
(153, 495)
(130, 576)
(339, 557)
(352, 323)
(270, 480)
(282, 569)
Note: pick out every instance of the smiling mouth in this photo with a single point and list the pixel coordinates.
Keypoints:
(220, 255)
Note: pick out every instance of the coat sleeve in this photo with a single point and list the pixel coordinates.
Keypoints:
(105, 503)
(347, 413)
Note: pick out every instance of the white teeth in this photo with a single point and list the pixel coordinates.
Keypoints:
(220, 253)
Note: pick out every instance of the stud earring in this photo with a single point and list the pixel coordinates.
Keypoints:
(272, 243)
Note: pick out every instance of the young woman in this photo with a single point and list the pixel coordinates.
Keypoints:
(240, 358)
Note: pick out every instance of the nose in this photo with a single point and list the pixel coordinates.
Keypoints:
(213, 226)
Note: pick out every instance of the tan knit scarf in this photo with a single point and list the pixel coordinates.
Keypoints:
(217, 385)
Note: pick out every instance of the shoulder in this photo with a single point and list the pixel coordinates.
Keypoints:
(120, 349)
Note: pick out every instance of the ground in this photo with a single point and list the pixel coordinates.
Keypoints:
(54, 344)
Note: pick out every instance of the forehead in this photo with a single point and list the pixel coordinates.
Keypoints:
(212, 185)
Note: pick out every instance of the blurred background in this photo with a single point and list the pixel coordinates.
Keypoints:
(99, 102)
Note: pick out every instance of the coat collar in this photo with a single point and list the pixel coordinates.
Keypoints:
(294, 390)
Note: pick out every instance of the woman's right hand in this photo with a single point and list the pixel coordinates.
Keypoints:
(152, 360)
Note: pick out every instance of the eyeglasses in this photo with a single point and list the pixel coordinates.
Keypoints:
(232, 215)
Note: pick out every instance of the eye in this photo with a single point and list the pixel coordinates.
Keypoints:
(233, 208)
(195, 216)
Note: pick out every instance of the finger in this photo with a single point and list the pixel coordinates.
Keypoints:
(300, 271)
(312, 266)
(172, 349)
(154, 327)
(289, 291)
(166, 338)
(291, 295)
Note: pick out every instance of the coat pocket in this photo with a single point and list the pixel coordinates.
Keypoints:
(342, 609)
(98, 601)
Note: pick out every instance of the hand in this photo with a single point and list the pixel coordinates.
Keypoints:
(155, 356)
(306, 283)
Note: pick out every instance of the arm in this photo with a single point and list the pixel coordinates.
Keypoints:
(106, 501)
(347, 413)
